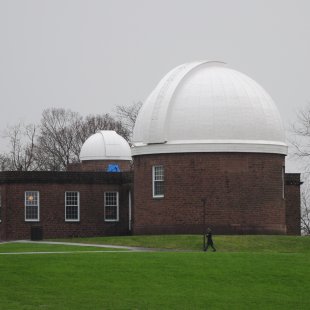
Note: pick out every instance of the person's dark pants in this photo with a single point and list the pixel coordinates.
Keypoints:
(211, 245)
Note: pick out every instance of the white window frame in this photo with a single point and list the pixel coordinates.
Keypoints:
(153, 180)
(38, 206)
(78, 205)
(117, 207)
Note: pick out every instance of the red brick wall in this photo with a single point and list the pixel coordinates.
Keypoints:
(292, 202)
(52, 210)
(243, 192)
(2, 197)
(99, 165)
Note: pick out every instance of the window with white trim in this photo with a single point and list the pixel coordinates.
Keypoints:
(72, 206)
(32, 206)
(111, 207)
(158, 181)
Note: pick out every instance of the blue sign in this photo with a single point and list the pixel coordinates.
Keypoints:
(113, 168)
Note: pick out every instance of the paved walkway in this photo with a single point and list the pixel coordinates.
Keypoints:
(109, 246)
(130, 248)
(116, 247)
(64, 252)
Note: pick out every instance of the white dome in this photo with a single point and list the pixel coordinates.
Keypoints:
(105, 145)
(207, 107)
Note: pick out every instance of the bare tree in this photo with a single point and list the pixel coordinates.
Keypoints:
(63, 133)
(301, 134)
(57, 138)
(305, 210)
(58, 142)
(128, 115)
(22, 154)
(5, 162)
(300, 142)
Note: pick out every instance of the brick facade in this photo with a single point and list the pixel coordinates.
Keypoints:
(243, 191)
(52, 187)
(100, 165)
(292, 202)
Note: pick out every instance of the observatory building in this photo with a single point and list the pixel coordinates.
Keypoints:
(92, 198)
(212, 142)
(208, 150)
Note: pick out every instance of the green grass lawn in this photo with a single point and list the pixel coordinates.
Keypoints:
(243, 276)
(246, 243)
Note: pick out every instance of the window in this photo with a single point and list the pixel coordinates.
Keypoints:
(72, 210)
(111, 206)
(158, 181)
(32, 206)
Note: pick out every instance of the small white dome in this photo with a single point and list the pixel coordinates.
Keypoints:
(105, 145)
(206, 107)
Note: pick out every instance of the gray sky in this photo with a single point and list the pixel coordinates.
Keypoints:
(89, 55)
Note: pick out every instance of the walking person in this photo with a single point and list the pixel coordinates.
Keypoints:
(209, 240)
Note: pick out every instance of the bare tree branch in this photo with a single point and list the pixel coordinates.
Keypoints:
(305, 210)
(63, 132)
(128, 115)
(22, 140)
(301, 133)
(58, 141)
(5, 162)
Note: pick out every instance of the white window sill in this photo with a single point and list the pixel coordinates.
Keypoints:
(74, 221)
(111, 220)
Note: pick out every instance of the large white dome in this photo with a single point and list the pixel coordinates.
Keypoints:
(206, 107)
(105, 145)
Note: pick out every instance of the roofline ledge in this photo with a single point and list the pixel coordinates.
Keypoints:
(212, 147)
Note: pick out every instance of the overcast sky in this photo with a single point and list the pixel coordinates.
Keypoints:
(89, 56)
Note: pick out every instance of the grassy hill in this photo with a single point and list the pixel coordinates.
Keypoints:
(248, 272)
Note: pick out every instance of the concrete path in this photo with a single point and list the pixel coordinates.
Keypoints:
(64, 252)
(128, 248)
